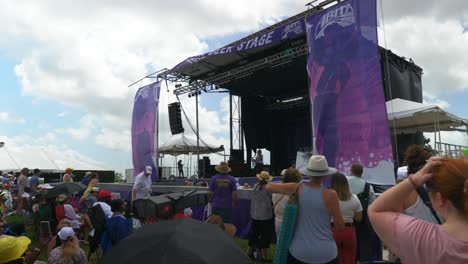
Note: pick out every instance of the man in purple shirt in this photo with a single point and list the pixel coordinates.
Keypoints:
(224, 189)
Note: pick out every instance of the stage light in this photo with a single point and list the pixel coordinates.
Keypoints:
(189, 95)
(199, 92)
(178, 85)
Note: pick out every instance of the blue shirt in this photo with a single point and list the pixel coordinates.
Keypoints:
(34, 180)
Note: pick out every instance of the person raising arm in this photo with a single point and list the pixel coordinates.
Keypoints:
(418, 241)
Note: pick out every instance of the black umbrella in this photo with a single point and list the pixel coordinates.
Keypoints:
(67, 188)
(177, 241)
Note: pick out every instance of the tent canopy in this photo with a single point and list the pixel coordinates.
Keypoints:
(409, 117)
(179, 144)
(14, 159)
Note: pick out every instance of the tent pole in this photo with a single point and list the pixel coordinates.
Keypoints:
(198, 133)
(435, 135)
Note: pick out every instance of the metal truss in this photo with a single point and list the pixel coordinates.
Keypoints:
(216, 81)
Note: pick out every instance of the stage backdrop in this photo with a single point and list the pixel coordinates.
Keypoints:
(144, 127)
(346, 90)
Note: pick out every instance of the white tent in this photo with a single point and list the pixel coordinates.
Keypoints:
(36, 157)
(410, 117)
(179, 144)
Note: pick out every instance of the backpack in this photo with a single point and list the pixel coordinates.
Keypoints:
(98, 219)
(364, 199)
(422, 192)
(59, 212)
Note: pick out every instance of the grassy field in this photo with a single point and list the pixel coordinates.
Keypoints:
(31, 233)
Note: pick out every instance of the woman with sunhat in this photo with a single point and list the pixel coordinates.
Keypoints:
(68, 176)
(312, 240)
(261, 212)
(15, 250)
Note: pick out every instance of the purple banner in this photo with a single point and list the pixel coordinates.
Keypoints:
(144, 127)
(346, 90)
(276, 35)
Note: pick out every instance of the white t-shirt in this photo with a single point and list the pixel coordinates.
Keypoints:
(349, 208)
(106, 208)
(142, 186)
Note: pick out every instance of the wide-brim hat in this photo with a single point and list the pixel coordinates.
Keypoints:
(223, 167)
(264, 176)
(62, 197)
(317, 166)
(12, 248)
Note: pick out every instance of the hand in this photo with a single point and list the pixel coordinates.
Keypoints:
(425, 174)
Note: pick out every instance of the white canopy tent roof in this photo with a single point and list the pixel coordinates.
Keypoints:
(14, 159)
(180, 144)
(409, 117)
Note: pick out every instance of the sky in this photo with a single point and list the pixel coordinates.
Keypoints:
(65, 66)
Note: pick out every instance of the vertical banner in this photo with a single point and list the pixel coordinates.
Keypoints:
(346, 90)
(144, 127)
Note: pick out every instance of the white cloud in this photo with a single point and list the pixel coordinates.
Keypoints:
(80, 131)
(11, 118)
(62, 114)
(429, 98)
(432, 34)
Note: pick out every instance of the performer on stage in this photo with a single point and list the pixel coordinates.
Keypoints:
(258, 161)
(180, 166)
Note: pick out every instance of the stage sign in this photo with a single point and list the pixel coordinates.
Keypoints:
(144, 127)
(346, 90)
(291, 30)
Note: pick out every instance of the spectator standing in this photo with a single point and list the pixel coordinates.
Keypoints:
(142, 192)
(261, 212)
(118, 226)
(312, 241)
(68, 252)
(68, 176)
(23, 180)
(366, 195)
(87, 178)
(418, 241)
(281, 200)
(105, 198)
(352, 213)
(34, 181)
(224, 189)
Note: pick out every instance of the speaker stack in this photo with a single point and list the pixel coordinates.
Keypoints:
(175, 119)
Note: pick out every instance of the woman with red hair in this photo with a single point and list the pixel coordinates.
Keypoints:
(418, 241)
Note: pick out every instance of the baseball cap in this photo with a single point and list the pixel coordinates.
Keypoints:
(65, 233)
(148, 169)
(12, 248)
(104, 193)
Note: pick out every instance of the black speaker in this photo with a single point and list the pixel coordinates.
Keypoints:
(237, 155)
(175, 120)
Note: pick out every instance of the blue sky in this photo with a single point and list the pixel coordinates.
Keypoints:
(64, 69)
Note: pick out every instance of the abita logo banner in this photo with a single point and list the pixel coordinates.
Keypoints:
(343, 16)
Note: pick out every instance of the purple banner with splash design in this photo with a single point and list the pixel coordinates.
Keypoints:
(346, 90)
(289, 30)
(144, 128)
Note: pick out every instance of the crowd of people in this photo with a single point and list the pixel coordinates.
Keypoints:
(420, 220)
(64, 222)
